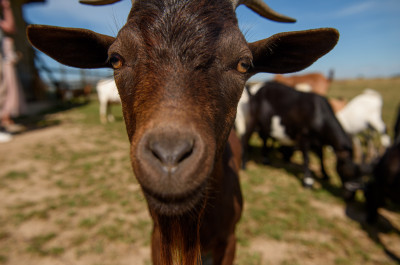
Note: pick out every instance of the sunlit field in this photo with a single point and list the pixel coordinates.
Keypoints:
(68, 196)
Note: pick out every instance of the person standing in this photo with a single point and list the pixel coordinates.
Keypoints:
(13, 103)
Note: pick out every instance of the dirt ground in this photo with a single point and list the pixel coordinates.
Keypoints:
(68, 196)
(42, 221)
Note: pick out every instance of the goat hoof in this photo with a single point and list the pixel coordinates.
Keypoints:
(353, 186)
(308, 182)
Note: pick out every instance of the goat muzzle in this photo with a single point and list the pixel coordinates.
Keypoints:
(169, 154)
(172, 166)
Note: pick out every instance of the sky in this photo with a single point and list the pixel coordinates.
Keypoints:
(369, 29)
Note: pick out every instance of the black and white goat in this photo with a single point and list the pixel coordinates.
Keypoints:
(305, 120)
(243, 109)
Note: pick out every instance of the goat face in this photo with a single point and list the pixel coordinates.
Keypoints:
(179, 94)
(180, 67)
(348, 170)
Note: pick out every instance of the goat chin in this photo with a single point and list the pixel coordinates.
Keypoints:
(176, 206)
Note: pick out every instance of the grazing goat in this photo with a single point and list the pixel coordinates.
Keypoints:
(302, 119)
(385, 183)
(107, 94)
(362, 112)
(386, 179)
(243, 110)
(180, 68)
(313, 82)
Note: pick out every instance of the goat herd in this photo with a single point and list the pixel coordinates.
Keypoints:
(308, 121)
(180, 68)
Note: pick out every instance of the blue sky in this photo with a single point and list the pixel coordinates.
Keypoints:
(369, 29)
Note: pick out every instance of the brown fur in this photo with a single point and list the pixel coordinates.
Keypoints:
(212, 229)
(318, 82)
(337, 104)
(67, 94)
(181, 233)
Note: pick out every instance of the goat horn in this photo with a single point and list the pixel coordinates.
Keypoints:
(257, 6)
(263, 10)
(98, 2)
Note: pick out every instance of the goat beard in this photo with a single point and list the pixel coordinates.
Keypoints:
(176, 239)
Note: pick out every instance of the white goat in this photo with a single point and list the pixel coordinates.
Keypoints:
(107, 93)
(363, 111)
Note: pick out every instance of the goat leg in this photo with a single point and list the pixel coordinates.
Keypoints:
(320, 152)
(308, 179)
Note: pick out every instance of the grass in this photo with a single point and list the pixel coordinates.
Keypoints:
(37, 246)
(75, 198)
(14, 175)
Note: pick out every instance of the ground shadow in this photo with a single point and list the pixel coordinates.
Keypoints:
(41, 121)
(276, 160)
(356, 211)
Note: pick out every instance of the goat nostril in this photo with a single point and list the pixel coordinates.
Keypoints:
(171, 153)
(186, 155)
(155, 154)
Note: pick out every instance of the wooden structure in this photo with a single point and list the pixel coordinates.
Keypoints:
(33, 87)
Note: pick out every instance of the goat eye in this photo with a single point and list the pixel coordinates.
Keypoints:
(116, 61)
(243, 66)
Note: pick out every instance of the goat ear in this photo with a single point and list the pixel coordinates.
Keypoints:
(80, 48)
(292, 51)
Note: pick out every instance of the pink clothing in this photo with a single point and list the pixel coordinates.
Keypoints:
(12, 102)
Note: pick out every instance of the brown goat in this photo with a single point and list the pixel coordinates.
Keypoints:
(180, 68)
(337, 104)
(315, 82)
